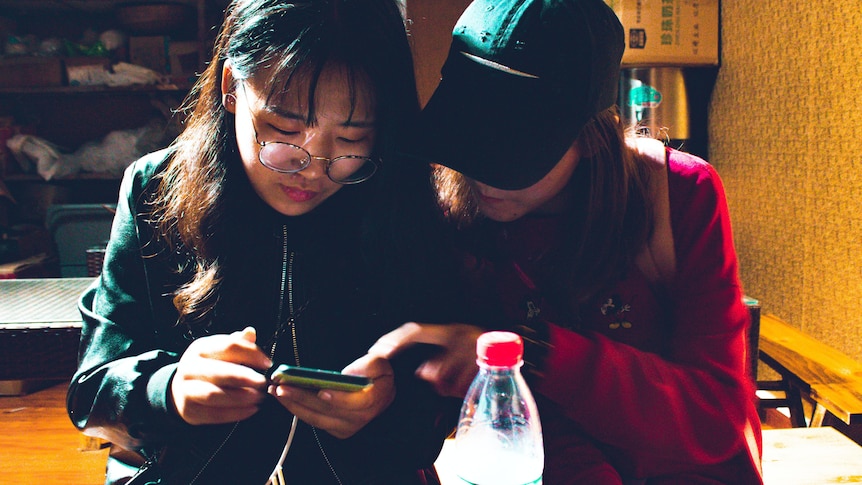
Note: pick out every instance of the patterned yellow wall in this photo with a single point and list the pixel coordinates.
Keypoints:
(785, 130)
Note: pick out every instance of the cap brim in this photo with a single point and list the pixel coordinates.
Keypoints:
(502, 129)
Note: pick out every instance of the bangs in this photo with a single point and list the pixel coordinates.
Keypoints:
(291, 46)
(301, 82)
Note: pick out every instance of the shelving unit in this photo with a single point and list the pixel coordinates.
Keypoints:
(53, 97)
(72, 116)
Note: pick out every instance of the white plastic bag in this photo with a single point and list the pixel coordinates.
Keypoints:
(30, 150)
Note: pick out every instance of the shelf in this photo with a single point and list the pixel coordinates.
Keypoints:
(54, 5)
(71, 5)
(152, 88)
(73, 116)
(32, 177)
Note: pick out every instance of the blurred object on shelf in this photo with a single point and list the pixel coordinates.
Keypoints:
(112, 39)
(179, 61)
(125, 74)
(23, 241)
(17, 45)
(86, 48)
(98, 71)
(6, 203)
(8, 129)
(111, 155)
(39, 266)
(95, 258)
(7, 26)
(119, 148)
(150, 51)
(52, 46)
(30, 72)
(87, 71)
(5, 196)
(184, 61)
(148, 18)
(77, 230)
(31, 151)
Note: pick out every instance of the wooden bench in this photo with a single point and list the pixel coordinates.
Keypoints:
(809, 370)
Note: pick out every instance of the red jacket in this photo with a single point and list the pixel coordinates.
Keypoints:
(648, 385)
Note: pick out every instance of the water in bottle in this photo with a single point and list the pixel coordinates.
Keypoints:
(499, 436)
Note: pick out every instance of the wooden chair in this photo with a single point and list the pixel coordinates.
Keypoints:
(811, 371)
(781, 393)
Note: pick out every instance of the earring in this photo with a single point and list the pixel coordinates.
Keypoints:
(228, 99)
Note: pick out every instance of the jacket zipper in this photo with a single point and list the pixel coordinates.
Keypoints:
(286, 283)
(285, 288)
(287, 260)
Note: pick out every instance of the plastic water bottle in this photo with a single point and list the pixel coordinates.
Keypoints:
(499, 436)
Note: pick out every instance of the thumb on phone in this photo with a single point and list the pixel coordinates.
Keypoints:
(248, 333)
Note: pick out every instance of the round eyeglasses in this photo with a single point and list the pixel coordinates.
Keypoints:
(286, 157)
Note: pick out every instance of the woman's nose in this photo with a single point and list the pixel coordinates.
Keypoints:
(317, 147)
(316, 169)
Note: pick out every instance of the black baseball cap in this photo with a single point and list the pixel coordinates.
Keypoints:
(521, 79)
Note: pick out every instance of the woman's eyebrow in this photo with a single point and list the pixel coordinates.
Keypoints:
(283, 113)
(293, 115)
(359, 124)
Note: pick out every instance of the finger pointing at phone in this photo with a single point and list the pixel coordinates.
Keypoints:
(452, 368)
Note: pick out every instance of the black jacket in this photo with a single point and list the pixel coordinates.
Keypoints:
(287, 274)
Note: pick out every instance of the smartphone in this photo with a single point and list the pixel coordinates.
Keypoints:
(317, 378)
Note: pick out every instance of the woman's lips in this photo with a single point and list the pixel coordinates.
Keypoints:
(298, 195)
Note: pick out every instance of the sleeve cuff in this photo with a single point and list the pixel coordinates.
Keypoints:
(159, 393)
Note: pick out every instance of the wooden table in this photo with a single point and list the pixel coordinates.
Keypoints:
(810, 456)
(791, 456)
(39, 444)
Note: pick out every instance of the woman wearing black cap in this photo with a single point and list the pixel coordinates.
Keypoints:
(612, 256)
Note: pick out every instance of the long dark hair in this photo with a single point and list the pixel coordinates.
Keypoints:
(366, 36)
(608, 224)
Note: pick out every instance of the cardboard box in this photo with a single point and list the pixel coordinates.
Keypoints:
(185, 58)
(184, 61)
(669, 32)
(30, 72)
(150, 52)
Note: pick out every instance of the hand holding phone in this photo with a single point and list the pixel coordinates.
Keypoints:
(310, 378)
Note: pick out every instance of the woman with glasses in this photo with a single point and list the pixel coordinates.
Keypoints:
(278, 228)
(613, 256)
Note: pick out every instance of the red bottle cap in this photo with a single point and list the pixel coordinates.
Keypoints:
(499, 349)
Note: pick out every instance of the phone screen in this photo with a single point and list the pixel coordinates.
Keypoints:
(310, 378)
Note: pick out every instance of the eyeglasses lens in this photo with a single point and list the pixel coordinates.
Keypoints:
(351, 169)
(283, 157)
